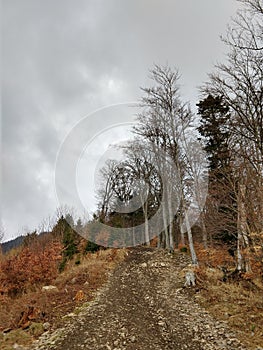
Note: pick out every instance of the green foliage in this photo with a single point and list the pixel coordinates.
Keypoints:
(91, 247)
(62, 265)
(36, 329)
(215, 118)
(69, 242)
(183, 250)
(214, 115)
(70, 239)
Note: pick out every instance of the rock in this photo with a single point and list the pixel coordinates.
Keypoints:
(46, 326)
(163, 264)
(71, 314)
(158, 265)
(189, 279)
(49, 289)
(116, 342)
(133, 339)
(144, 265)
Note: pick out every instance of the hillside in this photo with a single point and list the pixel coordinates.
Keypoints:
(17, 242)
(13, 243)
(60, 276)
(144, 306)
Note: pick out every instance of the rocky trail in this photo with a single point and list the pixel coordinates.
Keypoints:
(143, 306)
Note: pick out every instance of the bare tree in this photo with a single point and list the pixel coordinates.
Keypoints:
(105, 192)
(2, 235)
(240, 83)
(163, 120)
(2, 232)
(47, 224)
(255, 6)
(141, 164)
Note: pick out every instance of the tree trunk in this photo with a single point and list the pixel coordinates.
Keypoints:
(133, 236)
(242, 238)
(181, 230)
(146, 224)
(190, 241)
(166, 235)
(170, 209)
(204, 231)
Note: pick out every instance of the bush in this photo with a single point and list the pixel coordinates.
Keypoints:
(32, 265)
(92, 247)
(183, 249)
(62, 265)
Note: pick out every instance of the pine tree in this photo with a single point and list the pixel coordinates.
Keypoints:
(214, 115)
(214, 119)
(70, 239)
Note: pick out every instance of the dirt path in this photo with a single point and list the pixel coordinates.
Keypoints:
(143, 307)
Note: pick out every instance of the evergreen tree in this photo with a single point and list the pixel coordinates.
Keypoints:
(69, 237)
(69, 242)
(221, 207)
(214, 115)
(30, 238)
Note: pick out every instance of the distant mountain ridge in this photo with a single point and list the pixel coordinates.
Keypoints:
(13, 243)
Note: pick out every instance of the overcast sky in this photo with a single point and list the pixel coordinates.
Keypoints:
(63, 59)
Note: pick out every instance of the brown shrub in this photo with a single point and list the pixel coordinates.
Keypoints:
(31, 266)
(214, 256)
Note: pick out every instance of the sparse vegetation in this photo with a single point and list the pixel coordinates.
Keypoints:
(225, 236)
(235, 298)
(25, 306)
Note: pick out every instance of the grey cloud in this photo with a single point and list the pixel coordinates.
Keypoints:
(62, 59)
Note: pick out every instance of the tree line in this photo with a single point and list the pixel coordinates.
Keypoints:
(198, 172)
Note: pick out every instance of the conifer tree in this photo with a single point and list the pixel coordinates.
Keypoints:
(214, 114)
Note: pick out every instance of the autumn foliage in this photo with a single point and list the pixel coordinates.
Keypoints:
(28, 267)
(73, 266)
(215, 257)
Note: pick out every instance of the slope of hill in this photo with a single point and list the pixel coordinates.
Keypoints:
(144, 307)
(143, 304)
(16, 242)
(13, 243)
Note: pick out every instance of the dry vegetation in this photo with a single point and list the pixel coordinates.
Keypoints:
(25, 309)
(234, 298)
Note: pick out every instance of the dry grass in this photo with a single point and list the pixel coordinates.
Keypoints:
(17, 336)
(76, 285)
(239, 302)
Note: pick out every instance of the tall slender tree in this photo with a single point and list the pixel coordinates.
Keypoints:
(240, 83)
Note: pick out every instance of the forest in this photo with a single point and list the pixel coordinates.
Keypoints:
(190, 176)
(190, 182)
